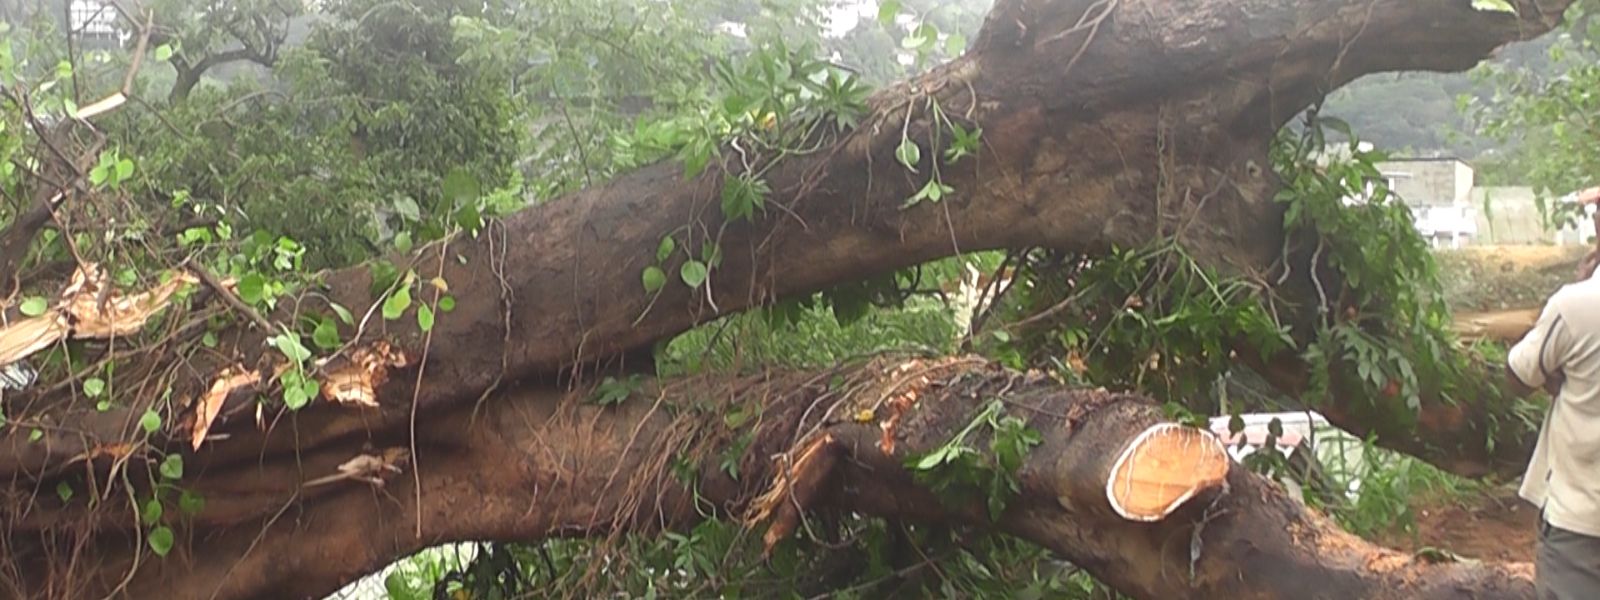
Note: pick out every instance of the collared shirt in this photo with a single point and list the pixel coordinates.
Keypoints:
(1564, 475)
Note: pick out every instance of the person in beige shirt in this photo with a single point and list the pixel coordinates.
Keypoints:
(1562, 355)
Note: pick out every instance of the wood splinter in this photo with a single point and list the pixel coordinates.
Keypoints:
(1164, 467)
(367, 468)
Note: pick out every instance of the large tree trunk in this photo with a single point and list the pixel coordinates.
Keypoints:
(539, 463)
(1106, 123)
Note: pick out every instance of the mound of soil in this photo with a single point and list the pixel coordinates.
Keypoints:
(1496, 527)
(1485, 278)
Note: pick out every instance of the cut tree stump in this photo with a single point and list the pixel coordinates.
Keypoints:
(1163, 468)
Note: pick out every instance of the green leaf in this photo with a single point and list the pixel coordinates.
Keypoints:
(711, 254)
(326, 335)
(447, 303)
(35, 435)
(289, 344)
(887, 11)
(611, 391)
(460, 187)
(733, 419)
(124, 169)
(64, 490)
(98, 175)
(93, 387)
(190, 502)
(653, 279)
(298, 390)
(955, 44)
(933, 191)
(696, 156)
(151, 514)
(34, 306)
(921, 38)
(407, 209)
(424, 318)
(397, 303)
(909, 154)
(932, 459)
(160, 540)
(398, 588)
(664, 251)
(209, 340)
(294, 397)
(252, 288)
(344, 313)
(151, 421)
(694, 273)
(402, 242)
(172, 467)
(163, 52)
(1504, 6)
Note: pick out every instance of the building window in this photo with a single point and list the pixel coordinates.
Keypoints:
(93, 19)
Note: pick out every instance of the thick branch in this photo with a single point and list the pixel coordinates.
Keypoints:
(1159, 128)
(189, 74)
(539, 464)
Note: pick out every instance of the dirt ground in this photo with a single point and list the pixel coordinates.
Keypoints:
(1495, 527)
(1485, 278)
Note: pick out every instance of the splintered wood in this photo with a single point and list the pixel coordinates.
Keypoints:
(88, 309)
(1164, 467)
(230, 379)
(794, 488)
(357, 381)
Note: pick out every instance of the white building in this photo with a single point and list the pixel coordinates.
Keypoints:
(1439, 192)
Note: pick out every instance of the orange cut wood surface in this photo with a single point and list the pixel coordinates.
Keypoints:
(1162, 468)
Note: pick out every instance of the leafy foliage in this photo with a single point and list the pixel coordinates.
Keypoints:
(960, 474)
(1548, 113)
(1153, 320)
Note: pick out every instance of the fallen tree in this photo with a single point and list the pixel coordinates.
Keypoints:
(1107, 123)
(1187, 525)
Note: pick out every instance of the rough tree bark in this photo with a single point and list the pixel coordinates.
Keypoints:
(571, 468)
(1107, 123)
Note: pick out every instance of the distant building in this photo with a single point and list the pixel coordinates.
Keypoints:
(94, 24)
(1585, 230)
(1509, 216)
(1439, 192)
(1451, 211)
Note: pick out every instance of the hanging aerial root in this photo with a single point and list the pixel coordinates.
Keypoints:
(1164, 467)
(794, 487)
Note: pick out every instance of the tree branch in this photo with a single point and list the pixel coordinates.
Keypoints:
(516, 475)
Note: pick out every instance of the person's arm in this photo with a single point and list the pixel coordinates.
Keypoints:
(1536, 361)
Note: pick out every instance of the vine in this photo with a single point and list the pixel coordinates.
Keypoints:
(961, 474)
